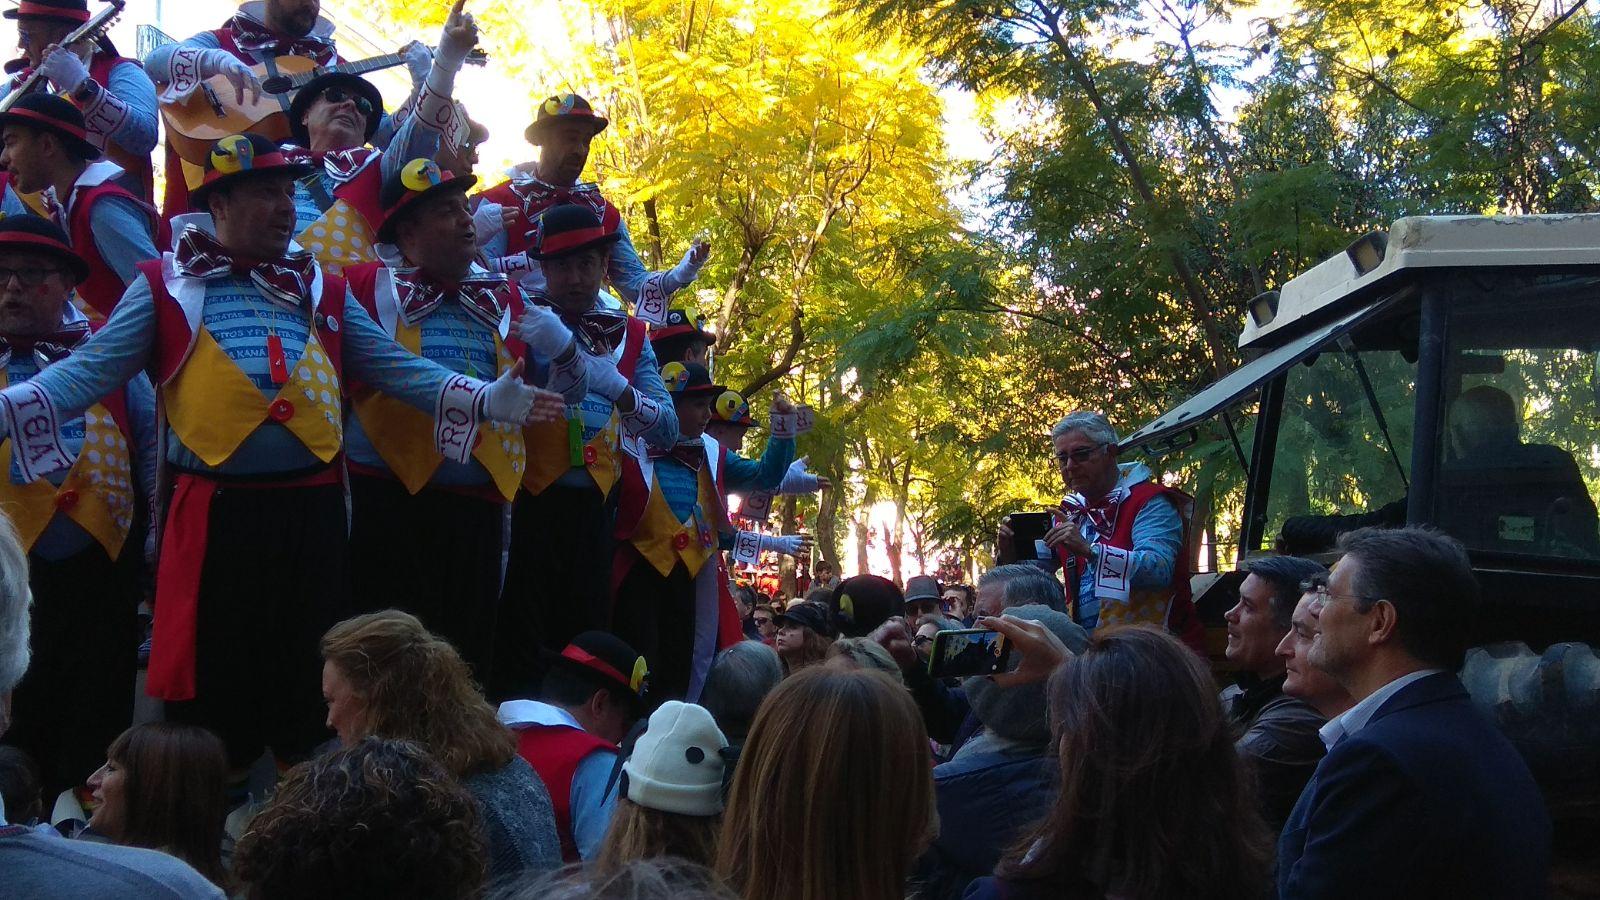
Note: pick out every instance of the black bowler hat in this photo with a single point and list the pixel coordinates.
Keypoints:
(688, 379)
(863, 602)
(568, 228)
(811, 614)
(54, 114)
(731, 408)
(33, 234)
(314, 88)
(65, 10)
(605, 659)
(418, 179)
(241, 156)
(563, 108)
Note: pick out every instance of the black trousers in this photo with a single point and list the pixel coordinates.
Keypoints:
(273, 581)
(558, 582)
(655, 615)
(78, 693)
(434, 554)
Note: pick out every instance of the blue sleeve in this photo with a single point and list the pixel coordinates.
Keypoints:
(1157, 541)
(142, 422)
(762, 474)
(130, 84)
(12, 204)
(123, 235)
(647, 381)
(410, 141)
(158, 65)
(372, 356)
(625, 270)
(108, 360)
(592, 804)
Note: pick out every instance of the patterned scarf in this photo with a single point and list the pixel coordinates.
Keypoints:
(338, 165)
(47, 348)
(286, 281)
(417, 295)
(690, 453)
(1102, 513)
(538, 196)
(598, 330)
(253, 36)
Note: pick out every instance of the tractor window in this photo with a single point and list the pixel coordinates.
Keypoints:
(1520, 454)
(1344, 444)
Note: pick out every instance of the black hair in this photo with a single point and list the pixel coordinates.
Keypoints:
(563, 687)
(1284, 573)
(1427, 577)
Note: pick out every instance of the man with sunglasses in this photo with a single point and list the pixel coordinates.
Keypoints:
(260, 30)
(563, 129)
(1119, 536)
(116, 96)
(81, 526)
(1420, 796)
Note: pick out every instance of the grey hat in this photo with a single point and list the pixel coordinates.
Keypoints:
(922, 587)
(1020, 713)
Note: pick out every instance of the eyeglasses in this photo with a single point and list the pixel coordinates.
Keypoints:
(1080, 455)
(1317, 587)
(339, 94)
(29, 277)
(921, 640)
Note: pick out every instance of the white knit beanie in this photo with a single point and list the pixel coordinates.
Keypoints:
(676, 765)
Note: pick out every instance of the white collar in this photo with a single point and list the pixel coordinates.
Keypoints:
(1356, 717)
(525, 713)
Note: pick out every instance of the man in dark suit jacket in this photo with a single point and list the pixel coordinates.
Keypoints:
(1419, 795)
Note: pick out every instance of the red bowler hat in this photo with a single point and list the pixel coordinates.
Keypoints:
(241, 156)
(48, 112)
(568, 228)
(564, 108)
(65, 10)
(32, 234)
(417, 179)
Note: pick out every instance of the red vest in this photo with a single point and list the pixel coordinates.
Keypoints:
(1180, 618)
(517, 236)
(176, 330)
(140, 172)
(554, 751)
(103, 288)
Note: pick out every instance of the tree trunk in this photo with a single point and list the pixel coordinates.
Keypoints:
(786, 563)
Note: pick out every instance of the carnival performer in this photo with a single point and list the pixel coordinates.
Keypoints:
(440, 305)
(83, 526)
(563, 129)
(249, 342)
(671, 522)
(116, 96)
(47, 152)
(259, 31)
(558, 570)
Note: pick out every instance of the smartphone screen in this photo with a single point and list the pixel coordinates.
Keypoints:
(1028, 530)
(967, 652)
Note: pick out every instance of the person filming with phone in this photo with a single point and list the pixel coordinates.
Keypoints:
(1119, 535)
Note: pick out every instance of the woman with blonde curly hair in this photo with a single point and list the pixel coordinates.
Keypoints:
(384, 674)
(378, 819)
(833, 795)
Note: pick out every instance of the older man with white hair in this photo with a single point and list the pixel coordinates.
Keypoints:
(46, 867)
(1119, 535)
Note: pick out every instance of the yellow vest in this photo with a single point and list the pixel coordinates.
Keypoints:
(403, 435)
(97, 493)
(550, 454)
(213, 406)
(664, 540)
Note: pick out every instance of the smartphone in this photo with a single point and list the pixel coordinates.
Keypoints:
(1028, 530)
(968, 652)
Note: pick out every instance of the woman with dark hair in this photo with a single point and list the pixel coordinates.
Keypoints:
(163, 787)
(1154, 800)
(378, 819)
(833, 795)
(384, 674)
(804, 632)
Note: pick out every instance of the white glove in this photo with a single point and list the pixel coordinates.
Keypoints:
(688, 268)
(65, 69)
(508, 399)
(797, 480)
(419, 59)
(460, 35)
(604, 379)
(787, 544)
(216, 61)
(543, 331)
(486, 220)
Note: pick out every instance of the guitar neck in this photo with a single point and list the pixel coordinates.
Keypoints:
(362, 67)
(371, 64)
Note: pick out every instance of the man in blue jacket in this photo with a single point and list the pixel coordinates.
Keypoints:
(1419, 795)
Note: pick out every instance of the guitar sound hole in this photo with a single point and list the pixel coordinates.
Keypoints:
(277, 84)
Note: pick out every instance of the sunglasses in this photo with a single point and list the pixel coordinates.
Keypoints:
(1080, 455)
(339, 94)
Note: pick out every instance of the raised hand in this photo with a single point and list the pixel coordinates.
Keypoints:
(460, 35)
(1042, 652)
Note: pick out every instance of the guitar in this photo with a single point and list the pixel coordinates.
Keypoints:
(211, 112)
(92, 30)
